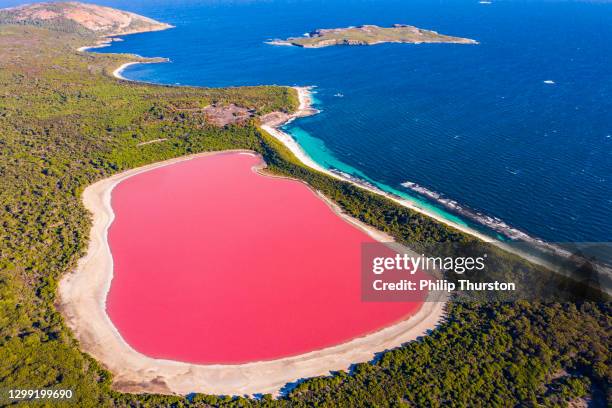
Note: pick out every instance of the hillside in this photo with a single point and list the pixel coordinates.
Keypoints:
(75, 16)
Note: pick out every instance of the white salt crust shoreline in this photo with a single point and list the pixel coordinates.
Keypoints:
(82, 301)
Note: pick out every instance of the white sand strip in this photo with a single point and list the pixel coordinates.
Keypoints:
(305, 109)
(118, 71)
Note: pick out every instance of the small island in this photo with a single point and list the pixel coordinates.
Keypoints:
(369, 35)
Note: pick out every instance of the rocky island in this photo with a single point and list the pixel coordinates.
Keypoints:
(369, 35)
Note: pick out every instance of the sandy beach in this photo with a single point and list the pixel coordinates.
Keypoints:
(122, 67)
(82, 300)
(272, 123)
(118, 71)
(107, 42)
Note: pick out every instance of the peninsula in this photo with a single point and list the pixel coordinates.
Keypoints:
(369, 35)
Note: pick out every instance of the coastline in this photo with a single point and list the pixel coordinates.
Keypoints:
(107, 41)
(273, 125)
(117, 72)
(82, 301)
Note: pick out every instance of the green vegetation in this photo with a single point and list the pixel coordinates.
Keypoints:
(370, 35)
(64, 123)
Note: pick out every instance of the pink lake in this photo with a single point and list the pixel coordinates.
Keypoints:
(215, 263)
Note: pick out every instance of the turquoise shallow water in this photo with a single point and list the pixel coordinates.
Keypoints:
(477, 132)
(316, 149)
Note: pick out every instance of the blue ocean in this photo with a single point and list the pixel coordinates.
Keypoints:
(515, 132)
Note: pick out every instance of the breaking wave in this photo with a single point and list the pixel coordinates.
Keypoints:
(493, 223)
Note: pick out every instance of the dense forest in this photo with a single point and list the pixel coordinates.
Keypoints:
(65, 123)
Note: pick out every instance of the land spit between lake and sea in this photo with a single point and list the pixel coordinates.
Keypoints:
(273, 122)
